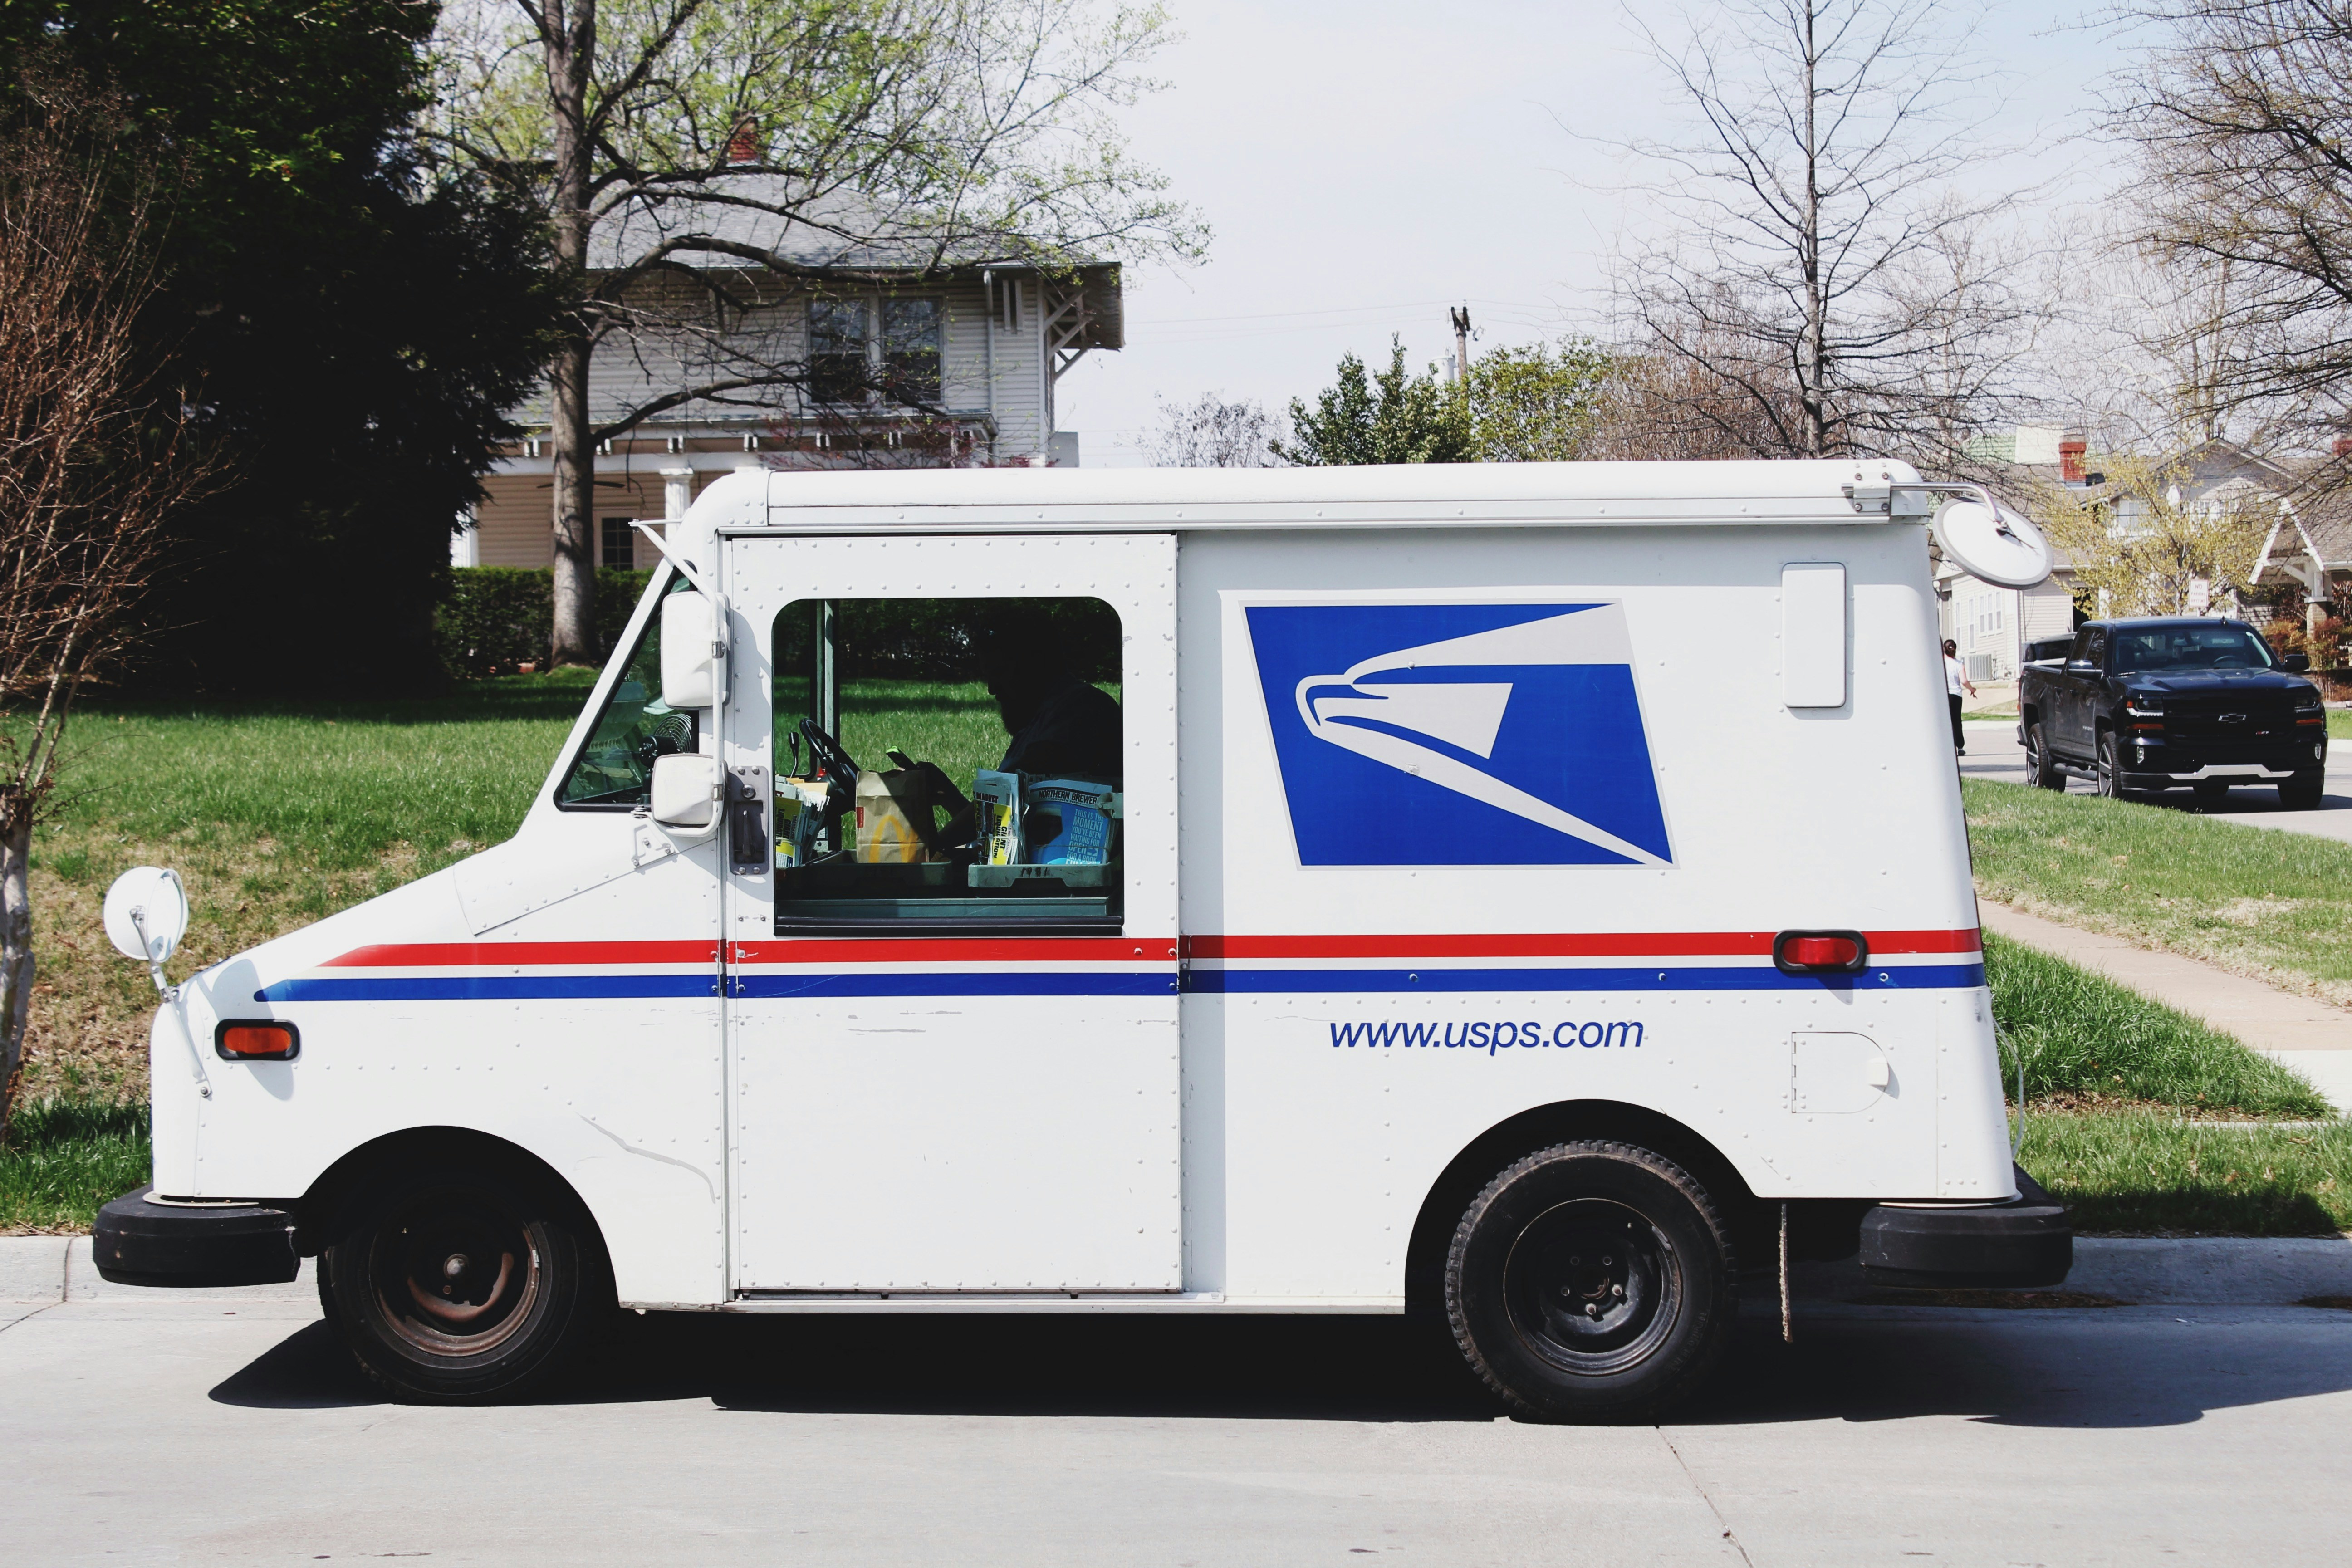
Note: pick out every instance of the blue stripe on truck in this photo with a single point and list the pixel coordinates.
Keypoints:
(552, 987)
(1750, 977)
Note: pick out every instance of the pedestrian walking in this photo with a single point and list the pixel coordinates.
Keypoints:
(1956, 681)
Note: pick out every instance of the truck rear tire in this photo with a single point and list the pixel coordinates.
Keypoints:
(2041, 767)
(458, 1285)
(1591, 1282)
(2304, 790)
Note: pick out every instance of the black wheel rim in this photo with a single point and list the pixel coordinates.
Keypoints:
(1592, 1286)
(453, 1272)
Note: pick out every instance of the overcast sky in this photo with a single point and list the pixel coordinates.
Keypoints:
(1366, 165)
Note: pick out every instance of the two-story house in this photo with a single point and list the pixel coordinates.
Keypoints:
(891, 359)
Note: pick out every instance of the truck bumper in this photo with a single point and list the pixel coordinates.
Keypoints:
(138, 1241)
(2027, 1241)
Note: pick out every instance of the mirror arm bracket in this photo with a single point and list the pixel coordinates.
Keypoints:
(171, 995)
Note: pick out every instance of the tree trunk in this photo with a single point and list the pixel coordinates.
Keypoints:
(569, 35)
(16, 953)
(575, 508)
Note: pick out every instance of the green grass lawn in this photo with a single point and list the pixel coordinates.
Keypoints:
(66, 1156)
(2276, 906)
(2143, 1119)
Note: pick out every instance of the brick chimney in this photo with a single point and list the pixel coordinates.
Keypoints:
(743, 147)
(2070, 458)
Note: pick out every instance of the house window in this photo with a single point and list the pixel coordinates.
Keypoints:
(910, 350)
(860, 347)
(837, 371)
(616, 544)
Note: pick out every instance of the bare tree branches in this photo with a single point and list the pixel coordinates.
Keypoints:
(2243, 121)
(1211, 433)
(1822, 291)
(92, 458)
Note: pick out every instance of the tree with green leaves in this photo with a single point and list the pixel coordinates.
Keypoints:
(701, 159)
(358, 315)
(2144, 548)
(1392, 416)
(1543, 403)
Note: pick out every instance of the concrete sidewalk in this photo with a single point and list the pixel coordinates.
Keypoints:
(2302, 1033)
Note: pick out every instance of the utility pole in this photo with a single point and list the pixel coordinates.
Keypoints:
(1461, 346)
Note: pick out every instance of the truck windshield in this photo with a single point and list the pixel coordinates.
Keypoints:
(2211, 646)
(614, 768)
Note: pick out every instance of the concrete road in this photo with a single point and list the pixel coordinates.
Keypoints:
(194, 1429)
(1995, 753)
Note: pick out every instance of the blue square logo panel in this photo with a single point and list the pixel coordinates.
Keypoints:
(1459, 734)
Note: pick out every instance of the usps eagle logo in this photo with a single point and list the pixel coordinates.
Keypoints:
(1459, 734)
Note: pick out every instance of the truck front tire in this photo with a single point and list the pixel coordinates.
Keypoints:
(458, 1285)
(2111, 767)
(2304, 790)
(2041, 767)
(1591, 1282)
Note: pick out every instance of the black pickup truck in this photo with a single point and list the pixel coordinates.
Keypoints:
(2174, 703)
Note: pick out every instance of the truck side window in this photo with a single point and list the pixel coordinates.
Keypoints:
(2094, 649)
(614, 770)
(948, 760)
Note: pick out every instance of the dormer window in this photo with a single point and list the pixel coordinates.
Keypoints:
(860, 350)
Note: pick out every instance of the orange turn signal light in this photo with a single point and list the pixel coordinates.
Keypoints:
(255, 1040)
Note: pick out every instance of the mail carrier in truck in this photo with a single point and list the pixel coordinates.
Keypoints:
(1536, 895)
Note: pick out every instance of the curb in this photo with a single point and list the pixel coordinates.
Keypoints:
(47, 1271)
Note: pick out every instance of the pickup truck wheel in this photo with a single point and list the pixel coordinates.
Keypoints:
(1591, 1282)
(2304, 790)
(2111, 773)
(2041, 767)
(457, 1285)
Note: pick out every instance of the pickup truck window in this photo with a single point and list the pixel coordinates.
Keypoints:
(2090, 647)
(2216, 646)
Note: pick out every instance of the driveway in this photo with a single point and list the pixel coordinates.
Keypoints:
(1995, 753)
(201, 1428)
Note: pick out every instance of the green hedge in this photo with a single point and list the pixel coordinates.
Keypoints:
(499, 618)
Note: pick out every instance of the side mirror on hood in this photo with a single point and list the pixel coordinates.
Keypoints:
(2296, 662)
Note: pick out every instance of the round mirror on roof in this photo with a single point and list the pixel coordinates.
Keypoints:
(146, 914)
(1992, 544)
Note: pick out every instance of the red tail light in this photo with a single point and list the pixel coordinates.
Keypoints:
(1820, 952)
(255, 1040)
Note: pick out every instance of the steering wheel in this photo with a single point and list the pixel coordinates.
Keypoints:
(840, 768)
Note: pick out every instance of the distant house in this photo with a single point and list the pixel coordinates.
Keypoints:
(2308, 550)
(905, 361)
(1992, 627)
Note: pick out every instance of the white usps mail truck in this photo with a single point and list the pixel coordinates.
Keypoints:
(1536, 895)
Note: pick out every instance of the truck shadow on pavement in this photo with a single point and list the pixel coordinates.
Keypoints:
(2098, 1369)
